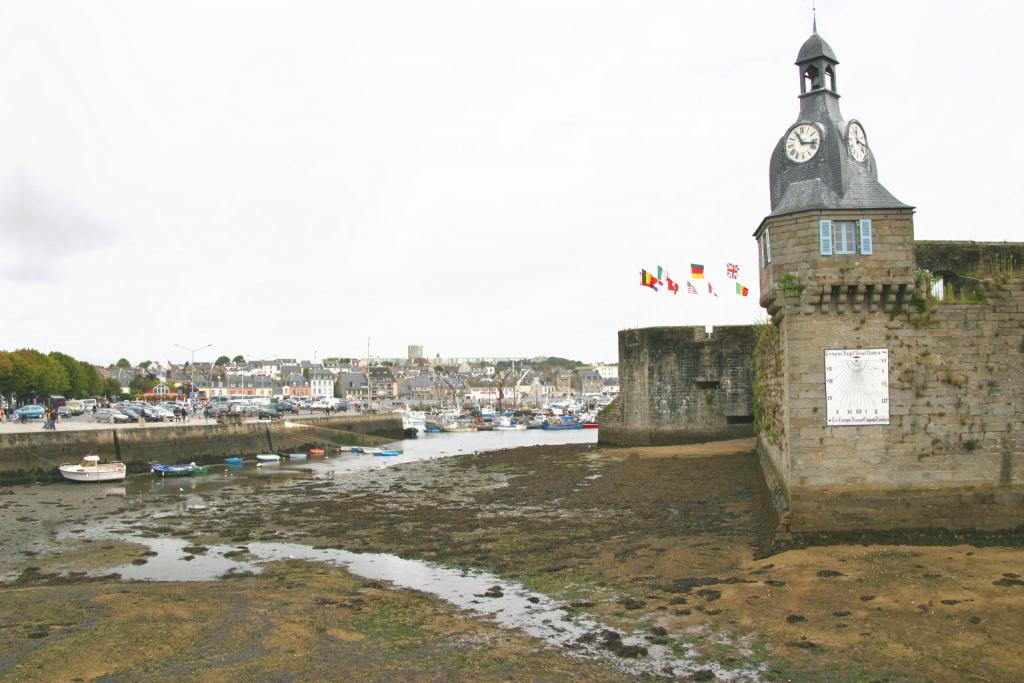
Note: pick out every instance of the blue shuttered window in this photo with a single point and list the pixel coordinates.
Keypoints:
(767, 246)
(825, 236)
(866, 244)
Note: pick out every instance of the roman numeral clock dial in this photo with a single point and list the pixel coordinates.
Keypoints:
(802, 142)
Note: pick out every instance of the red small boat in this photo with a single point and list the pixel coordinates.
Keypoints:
(316, 452)
(590, 425)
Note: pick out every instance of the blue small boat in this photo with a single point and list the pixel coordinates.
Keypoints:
(388, 453)
(434, 430)
(233, 461)
(179, 470)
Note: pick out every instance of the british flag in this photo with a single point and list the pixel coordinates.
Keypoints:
(732, 270)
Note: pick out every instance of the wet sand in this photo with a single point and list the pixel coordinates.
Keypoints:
(658, 542)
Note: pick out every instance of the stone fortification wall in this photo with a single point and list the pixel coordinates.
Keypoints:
(965, 257)
(25, 456)
(680, 385)
(952, 455)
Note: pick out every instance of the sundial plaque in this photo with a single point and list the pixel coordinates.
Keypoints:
(856, 387)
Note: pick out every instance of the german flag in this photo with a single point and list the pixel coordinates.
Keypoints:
(697, 271)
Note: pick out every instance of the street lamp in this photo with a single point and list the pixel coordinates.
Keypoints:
(192, 363)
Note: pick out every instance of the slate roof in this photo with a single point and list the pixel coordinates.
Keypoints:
(815, 47)
(832, 179)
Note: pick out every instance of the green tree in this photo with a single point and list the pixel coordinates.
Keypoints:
(78, 378)
(111, 388)
(140, 384)
(556, 362)
(97, 383)
(238, 359)
(36, 374)
(145, 364)
(6, 374)
(122, 363)
(223, 360)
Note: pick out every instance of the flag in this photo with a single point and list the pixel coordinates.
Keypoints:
(690, 288)
(732, 270)
(673, 286)
(697, 271)
(648, 280)
(741, 290)
(710, 290)
(659, 272)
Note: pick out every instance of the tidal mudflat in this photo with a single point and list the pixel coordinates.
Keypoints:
(545, 562)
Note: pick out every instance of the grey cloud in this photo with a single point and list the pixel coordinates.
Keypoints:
(39, 232)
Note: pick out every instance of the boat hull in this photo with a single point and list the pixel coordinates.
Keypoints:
(115, 471)
(179, 470)
(268, 457)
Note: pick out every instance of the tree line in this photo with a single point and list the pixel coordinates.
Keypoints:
(27, 374)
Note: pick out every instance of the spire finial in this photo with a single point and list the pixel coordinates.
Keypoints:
(814, 18)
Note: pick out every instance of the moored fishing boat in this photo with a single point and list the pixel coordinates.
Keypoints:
(564, 422)
(179, 470)
(296, 456)
(234, 461)
(268, 457)
(316, 452)
(90, 469)
(386, 454)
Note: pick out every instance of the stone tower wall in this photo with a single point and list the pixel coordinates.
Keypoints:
(795, 251)
(680, 385)
(953, 452)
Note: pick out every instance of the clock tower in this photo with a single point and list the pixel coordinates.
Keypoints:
(836, 257)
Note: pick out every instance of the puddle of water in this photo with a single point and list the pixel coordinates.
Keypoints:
(509, 604)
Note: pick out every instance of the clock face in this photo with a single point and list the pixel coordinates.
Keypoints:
(802, 142)
(857, 387)
(857, 141)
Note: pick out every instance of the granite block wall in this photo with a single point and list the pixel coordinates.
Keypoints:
(682, 385)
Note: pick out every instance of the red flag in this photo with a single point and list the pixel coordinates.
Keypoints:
(710, 290)
(673, 286)
(648, 280)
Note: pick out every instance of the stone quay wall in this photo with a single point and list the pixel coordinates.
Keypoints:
(681, 385)
(952, 455)
(35, 455)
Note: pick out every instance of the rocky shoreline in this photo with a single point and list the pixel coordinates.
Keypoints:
(664, 547)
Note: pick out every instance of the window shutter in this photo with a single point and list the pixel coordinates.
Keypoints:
(865, 236)
(767, 246)
(825, 236)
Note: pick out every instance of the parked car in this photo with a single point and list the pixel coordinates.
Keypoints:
(111, 415)
(130, 412)
(268, 414)
(166, 414)
(64, 411)
(151, 414)
(284, 407)
(32, 411)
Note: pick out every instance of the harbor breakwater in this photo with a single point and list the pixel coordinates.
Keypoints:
(34, 456)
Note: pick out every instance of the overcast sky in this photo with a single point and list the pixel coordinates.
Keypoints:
(482, 178)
